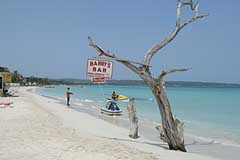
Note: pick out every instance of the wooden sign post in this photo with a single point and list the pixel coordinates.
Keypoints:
(1, 86)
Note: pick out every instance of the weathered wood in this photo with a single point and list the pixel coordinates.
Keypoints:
(172, 129)
(1, 93)
(120, 59)
(133, 119)
(109, 55)
(161, 133)
(164, 73)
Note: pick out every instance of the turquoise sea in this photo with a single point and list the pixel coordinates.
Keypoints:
(208, 113)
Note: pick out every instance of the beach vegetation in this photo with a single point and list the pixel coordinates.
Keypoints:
(17, 77)
(4, 69)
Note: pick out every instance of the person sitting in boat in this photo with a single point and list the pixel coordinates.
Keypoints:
(114, 95)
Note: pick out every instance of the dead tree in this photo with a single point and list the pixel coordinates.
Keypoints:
(133, 119)
(172, 128)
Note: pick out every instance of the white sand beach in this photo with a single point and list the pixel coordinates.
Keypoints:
(38, 128)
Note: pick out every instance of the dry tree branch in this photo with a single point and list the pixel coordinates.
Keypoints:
(164, 73)
(152, 51)
(192, 20)
(99, 50)
(110, 56)
(113, 57)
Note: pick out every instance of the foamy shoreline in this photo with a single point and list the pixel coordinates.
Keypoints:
(40, 128)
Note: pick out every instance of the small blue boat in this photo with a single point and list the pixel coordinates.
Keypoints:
(112, 109)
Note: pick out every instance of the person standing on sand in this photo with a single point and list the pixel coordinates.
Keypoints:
(68, 93)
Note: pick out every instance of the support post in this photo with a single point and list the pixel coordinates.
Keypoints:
(1, 86)
(133, 119)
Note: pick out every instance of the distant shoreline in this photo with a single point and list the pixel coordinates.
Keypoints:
(141, 83)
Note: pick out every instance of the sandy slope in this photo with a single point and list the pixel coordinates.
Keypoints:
(39, 128)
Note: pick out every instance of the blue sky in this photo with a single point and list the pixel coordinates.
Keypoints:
(49, 38)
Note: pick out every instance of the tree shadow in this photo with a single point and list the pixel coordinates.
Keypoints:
(162, 145)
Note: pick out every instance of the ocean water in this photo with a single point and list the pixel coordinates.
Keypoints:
(208, 113)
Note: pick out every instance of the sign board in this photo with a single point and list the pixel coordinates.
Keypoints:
(98, 79)
(6, 76)
(99, 68)
(1, 82)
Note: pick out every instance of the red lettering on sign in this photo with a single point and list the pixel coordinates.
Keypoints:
(98, 79)
(99, 70)
(104, 70)
(108, 65)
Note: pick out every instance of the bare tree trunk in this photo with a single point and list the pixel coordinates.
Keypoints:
(172, 128)
(133, 119)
